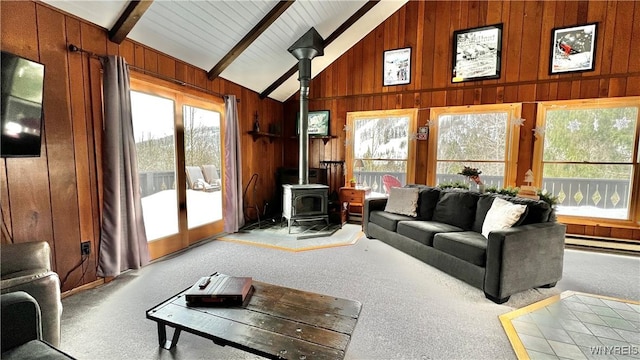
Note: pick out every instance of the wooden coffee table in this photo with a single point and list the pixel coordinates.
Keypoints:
(277, 323)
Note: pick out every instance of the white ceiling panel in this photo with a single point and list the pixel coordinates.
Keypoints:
(198, 32)
(102, 13)
(268, 55)
(202, 32)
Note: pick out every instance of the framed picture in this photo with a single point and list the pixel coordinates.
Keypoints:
(573, 49)
(476, 53)
(318, 123)
(396, 67)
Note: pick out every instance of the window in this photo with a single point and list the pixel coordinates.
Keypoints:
(586, 153)
(379, 143)
(481, 136)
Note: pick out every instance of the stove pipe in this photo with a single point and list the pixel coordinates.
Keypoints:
(306, 48)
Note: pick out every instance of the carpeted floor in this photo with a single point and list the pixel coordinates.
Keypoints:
(410, 310)
(301, 237)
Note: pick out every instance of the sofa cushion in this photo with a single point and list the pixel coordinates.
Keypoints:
(427, 199)
(387, 220)
(502, 215)
(469, 246)
(403, 201)
(427, 202)
(423, 231)
(483, 206)
(457, 208)
(538, 211)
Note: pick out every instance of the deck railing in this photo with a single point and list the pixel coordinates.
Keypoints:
(156, 181)
(598, 193)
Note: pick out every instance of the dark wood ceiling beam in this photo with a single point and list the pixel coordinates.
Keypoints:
(134, 11)
(334, 35)
(257, 30)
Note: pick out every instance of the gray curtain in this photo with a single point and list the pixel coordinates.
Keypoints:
(123, 240)
(233, 212)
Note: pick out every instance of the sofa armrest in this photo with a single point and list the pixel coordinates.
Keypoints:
(45, 289)
(24, 256)
(524, 257)
(20, 319)
(370, 205)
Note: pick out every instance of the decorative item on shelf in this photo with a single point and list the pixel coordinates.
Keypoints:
(358, 165)
(256, 124)
(352, 182)
(274, 129)
(473, 174)
(528, 191)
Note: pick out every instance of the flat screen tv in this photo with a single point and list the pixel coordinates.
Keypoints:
(21, 112)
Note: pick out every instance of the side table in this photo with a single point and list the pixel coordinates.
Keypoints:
(354, 196)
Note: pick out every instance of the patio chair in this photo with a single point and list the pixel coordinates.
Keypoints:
(389, 181)
(195, 180)
(211, 176)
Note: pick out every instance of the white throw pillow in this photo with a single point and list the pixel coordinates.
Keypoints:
(502, 215)
(403, 201)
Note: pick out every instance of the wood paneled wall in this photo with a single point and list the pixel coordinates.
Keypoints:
(354, 81)
(55, 197)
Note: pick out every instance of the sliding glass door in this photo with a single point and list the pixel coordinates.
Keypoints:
(179, 146)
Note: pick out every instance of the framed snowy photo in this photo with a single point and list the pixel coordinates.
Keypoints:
(476, 53)
(396, 67)
(573, 49)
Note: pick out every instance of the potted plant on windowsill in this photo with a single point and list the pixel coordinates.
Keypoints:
(473, 174)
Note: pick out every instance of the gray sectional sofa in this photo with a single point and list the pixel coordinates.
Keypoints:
(446, 234)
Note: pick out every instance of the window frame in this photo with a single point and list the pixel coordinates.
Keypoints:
(514, 111)
(538, 158)
(182, 96)
(411, 113)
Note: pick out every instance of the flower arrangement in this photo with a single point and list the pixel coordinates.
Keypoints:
(472, 173)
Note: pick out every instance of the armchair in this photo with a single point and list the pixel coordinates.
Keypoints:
(21, 330)
(27, 267)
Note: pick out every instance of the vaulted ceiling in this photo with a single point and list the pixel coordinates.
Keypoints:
(243, 41)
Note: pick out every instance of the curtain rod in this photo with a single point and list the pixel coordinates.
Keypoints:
(74, 48)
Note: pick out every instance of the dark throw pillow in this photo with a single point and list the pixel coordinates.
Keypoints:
(457, 208)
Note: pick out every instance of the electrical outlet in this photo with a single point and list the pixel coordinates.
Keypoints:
(85, 248)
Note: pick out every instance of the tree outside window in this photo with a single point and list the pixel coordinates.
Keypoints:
(383, 141)
(484, 137)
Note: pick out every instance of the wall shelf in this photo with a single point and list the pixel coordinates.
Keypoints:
(258, 134)
(324, 138)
